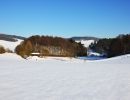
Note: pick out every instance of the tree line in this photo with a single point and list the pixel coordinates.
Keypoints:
(50, 46)
(113, 46)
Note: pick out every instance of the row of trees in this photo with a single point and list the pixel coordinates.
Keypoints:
(50, 46)
(120, 46)
(114, 46)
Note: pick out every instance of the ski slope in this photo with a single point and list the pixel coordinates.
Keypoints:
(54, 78)
(10, 45)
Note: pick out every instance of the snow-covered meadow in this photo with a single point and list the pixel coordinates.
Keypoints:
(53, 78)
(86, 43)
(10, 45)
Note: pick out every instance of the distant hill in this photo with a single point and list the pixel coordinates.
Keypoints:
(12, 38)
(86, 41)
(9, 42)
(85, 38)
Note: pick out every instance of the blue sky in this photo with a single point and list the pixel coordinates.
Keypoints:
(66, 18)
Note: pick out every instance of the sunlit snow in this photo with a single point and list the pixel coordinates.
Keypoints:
(55, 78)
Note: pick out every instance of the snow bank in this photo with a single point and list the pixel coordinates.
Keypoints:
(10, 56)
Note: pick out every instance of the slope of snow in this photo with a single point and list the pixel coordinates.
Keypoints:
(10, 45)
(86, 43)
(55, 78)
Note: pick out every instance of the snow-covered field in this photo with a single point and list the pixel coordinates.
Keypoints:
(55, 78)
(10, 45)
(86, 43)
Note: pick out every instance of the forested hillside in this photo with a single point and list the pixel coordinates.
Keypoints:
(113, 46)
(50, 46)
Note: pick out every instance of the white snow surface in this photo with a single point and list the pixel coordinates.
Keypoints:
(10, 45)
(86, 43)
(93, 53)
(55, 78)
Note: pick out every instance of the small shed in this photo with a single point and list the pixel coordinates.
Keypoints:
(35, 54)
